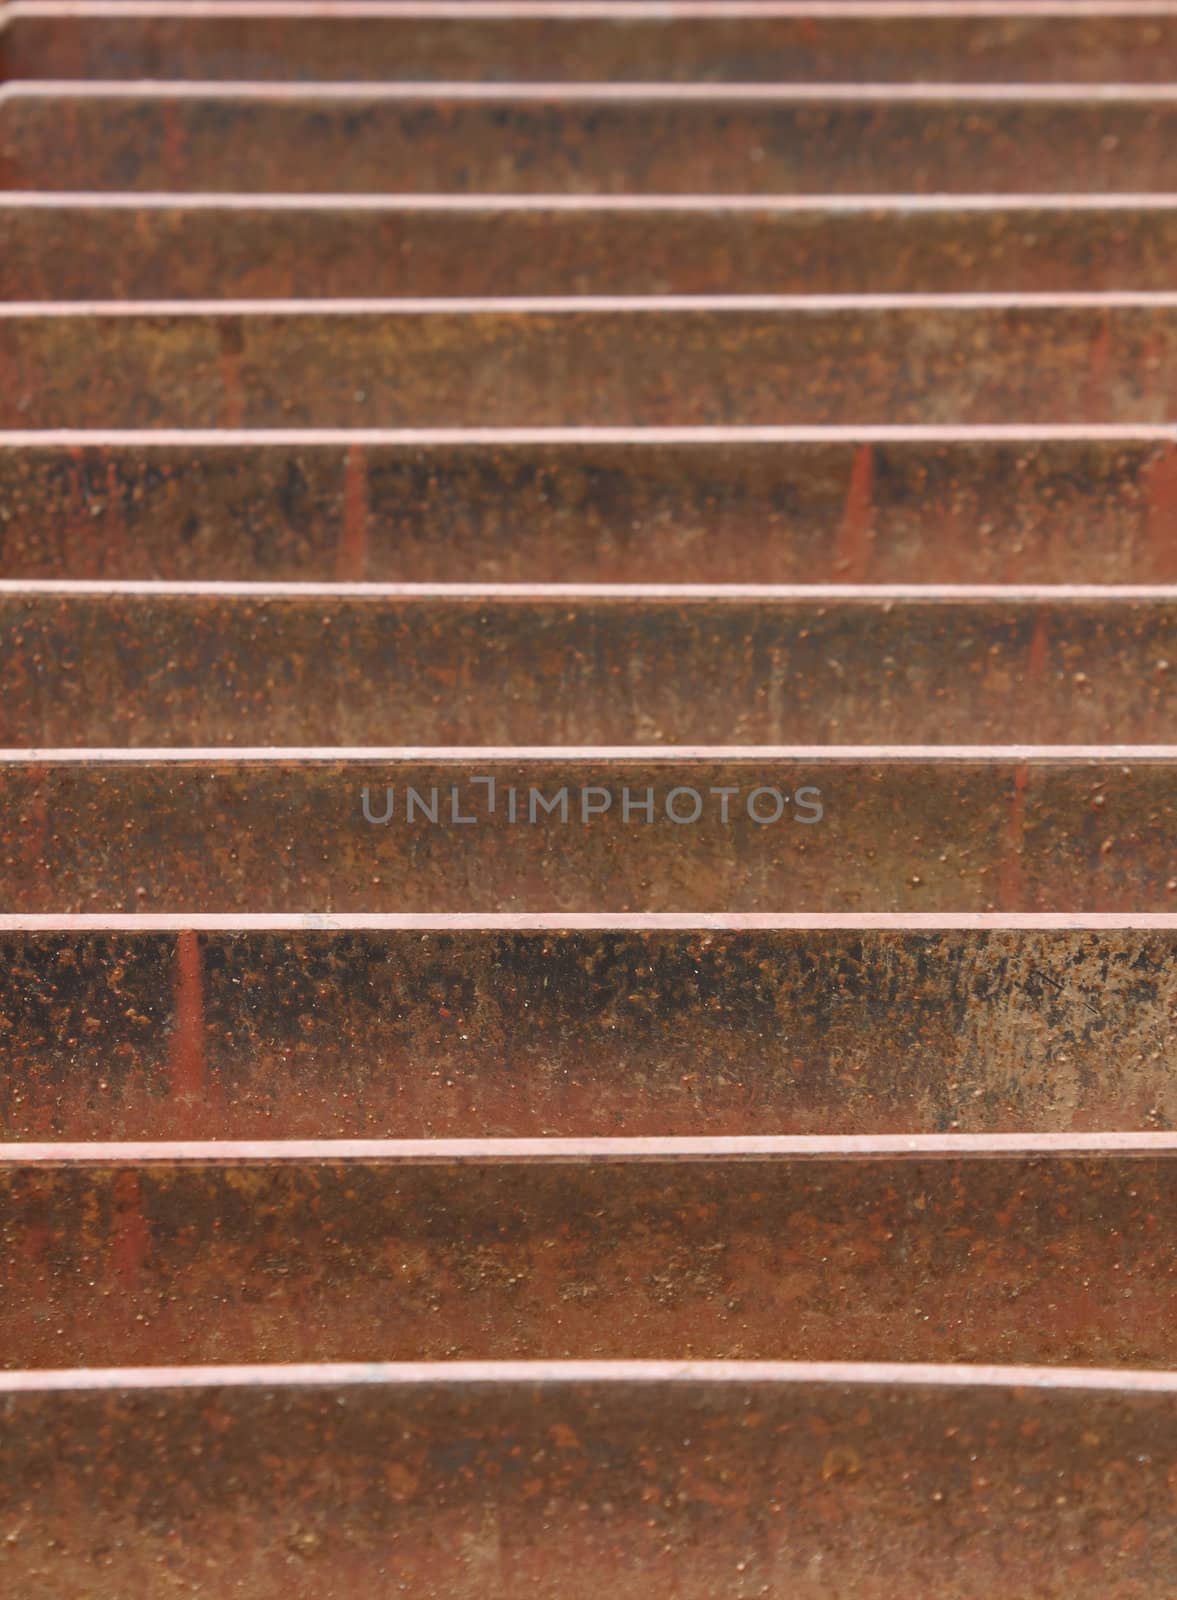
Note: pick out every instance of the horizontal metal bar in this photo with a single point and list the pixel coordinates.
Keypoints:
(928, 506)
(611, 42)
(621, 362)
(94, 664)
(956, 830)
(82, 250)
(605, 138)
(666, 1481)
(698, 922)
(219, 1156)
(1019, 1249)
(164, 1027)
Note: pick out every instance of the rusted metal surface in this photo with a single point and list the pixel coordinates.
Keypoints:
(428, 1027)
(671, 1481)
(154, 664)
(918, 1133)
(583, 362)
(614, 41)
(968, 829)
(1015, 1248)
(884, 505)
(111, 247)
(590, 138)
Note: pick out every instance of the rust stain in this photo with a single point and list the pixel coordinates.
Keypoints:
(854, 546)
(231, 338)
(187, 1044)
(1097, 400)
(1159, 481)
(1039, 645)
(352, 554)
(130, 1236)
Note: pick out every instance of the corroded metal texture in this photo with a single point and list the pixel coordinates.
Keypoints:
(581, 361)
(934, 830)
(880, 505)
(1014, 1248)
(394, 1027)
(736, 43)
(131, 664)
(590, 138)
(103, 247)
(651, 1482)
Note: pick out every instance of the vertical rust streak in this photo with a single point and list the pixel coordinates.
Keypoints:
(231, 335)
(187, 1044)
(852, 555)
(130, 1236)
(1097, 398)
(351, 559)
(1160, 488)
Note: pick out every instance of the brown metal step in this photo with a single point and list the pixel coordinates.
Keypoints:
(412, 1027)
(967, 829)
(590, 138)
(988, 1248)
(199, 664)
(115, 247)
(592, 362)
(614, 41)
(662, 1481)
(787, 505)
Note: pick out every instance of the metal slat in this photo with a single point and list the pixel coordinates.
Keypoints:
(672, 1481)
(248, 1027)
(788, 505)
(590, 138)
(1012, 1248)
(127, 246)
(1017, 829)
(94, 664)
(614, 41)
(581, 361)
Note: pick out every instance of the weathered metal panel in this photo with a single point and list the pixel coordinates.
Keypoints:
(1015, 1248)
(671, 1482)
(645, 42)
(1020, 829)
(402, 1027)
(116, 247)
(884, 505)
(109, 665)
(590, 138)
(592, 362)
